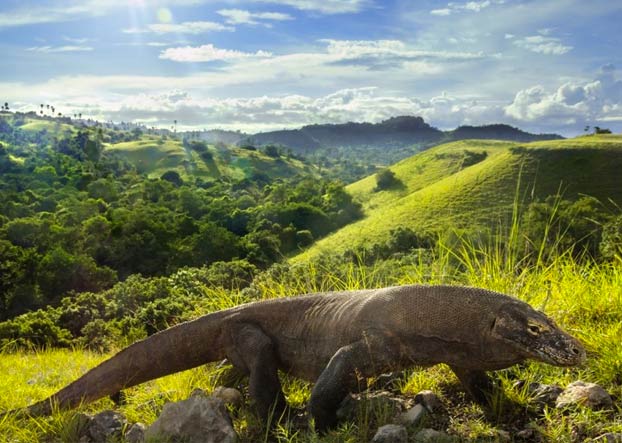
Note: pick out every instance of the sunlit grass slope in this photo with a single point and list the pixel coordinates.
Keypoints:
(584, 299)
(439, 189)
(155, 156)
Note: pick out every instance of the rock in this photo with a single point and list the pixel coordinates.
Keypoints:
(590, 395)
(198, 419)
(609, 437)
(430, 400)
(106, 426)
(391, 434)
(230, 396)
(432, 436)
(136, 433)
(413, 416)
(544, 395)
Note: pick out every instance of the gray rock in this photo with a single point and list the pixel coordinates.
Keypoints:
(590, 395)
(609, 437)
(136, 433)
(544, 395)
(198, 419)
(230, 396)
(106, 426)
(391, 434)
(432, 436)
(430, 400)
(413, 416)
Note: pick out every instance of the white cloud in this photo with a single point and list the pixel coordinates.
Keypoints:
(240, 16)
(207, 53)
(198, 27)
(66, 48)
(324, 6)
(542, 44)
(572, 103)
(473, 6)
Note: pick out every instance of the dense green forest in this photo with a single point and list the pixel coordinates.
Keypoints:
(76, 216)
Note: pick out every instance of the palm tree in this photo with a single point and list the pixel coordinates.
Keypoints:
(6, 106)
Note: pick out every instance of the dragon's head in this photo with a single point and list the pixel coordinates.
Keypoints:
(536, 336)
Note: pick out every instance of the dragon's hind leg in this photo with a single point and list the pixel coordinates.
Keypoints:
(253, 352)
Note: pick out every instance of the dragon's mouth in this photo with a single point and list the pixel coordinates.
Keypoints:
(571, 355)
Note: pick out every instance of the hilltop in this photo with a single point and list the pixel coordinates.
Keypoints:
(391, 139)
(473, 185)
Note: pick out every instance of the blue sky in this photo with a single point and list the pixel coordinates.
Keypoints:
(542, 65)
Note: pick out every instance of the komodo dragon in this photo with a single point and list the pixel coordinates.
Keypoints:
(335, 338)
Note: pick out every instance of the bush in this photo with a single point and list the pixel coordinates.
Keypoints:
(386, 179)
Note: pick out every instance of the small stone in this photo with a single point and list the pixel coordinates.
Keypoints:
(230, 396)
(391, 434)
(136, 433)
(432, 436)
(590, 395)
(413, 416)
(198, 419)
(430, 400)
(106, 426)
(544, 395)
(609, 437)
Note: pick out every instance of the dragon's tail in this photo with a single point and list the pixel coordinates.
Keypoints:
(181, 347)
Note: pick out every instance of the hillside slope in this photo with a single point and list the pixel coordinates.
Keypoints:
(473, 184)
(154, 156)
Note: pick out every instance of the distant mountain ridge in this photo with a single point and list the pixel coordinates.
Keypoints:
(395, 132)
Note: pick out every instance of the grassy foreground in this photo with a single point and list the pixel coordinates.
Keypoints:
(584, 299)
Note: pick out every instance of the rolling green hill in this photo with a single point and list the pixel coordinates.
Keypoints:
(473, 184)
(154, 155)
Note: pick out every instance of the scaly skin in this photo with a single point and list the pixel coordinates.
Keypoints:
(335, 338)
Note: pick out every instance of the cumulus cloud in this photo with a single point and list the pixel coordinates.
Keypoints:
(208, 53)
(542, 44)
(571, 104)
(240, 16)
(198, 27)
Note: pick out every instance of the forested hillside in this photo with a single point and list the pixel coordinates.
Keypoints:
(85, 207)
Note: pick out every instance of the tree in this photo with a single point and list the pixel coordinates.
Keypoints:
(386, 179)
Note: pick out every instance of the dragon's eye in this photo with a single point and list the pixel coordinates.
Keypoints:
(533, 329)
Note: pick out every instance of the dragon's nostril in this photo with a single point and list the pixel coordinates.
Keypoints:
(575, 351)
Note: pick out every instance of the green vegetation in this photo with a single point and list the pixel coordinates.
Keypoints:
(108, 235)
(83, 210)
(474, 186)
(581, 297)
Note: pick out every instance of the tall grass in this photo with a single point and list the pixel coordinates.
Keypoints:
(583, 296)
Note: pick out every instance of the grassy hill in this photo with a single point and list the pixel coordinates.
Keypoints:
(155, 155)
(473, 185)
